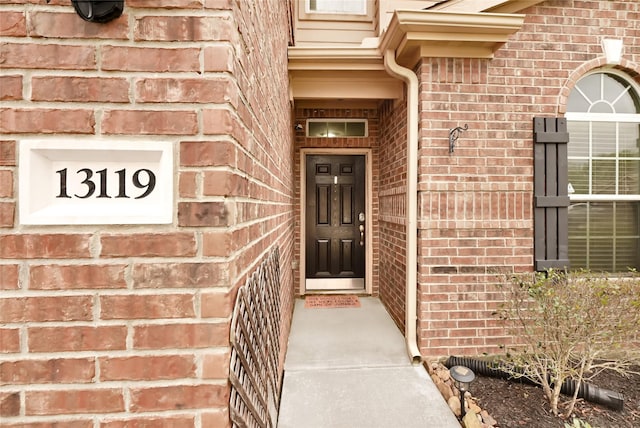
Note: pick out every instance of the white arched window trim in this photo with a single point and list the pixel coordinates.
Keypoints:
(612, 118)
(608, 118)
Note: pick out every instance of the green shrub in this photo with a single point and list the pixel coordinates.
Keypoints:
(571, 326)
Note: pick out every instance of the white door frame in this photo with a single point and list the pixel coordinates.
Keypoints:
(368, 262)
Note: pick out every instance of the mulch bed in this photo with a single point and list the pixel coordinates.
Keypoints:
(519, 405)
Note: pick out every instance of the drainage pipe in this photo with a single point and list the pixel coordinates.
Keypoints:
(411, 292)
(611, 399)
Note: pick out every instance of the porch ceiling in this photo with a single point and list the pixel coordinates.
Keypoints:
(341, 84)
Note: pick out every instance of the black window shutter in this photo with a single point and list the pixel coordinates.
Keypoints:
(551, 198)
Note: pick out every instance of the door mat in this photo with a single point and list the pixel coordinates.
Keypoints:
(332, 301)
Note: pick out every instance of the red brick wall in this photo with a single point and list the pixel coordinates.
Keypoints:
(393, 193)
(476, 203)
(116, 326)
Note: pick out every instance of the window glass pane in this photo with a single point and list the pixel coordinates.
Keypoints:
(590, 86)
(629, 140)
(335, 129)
(627, 251)
(356, 129)
(604, 235)
(600, 255)
(603, 179)
(601, 107)
(577, 252)
(337, 6)
(603, 139)
(578, 219)
(629, 174)
(619, 91)
(577, 102)
(627, 235)
(626, 104)
(613, 89)
(627, 219)
(578, 138)
(317, 129)
(600, 236)
(600, 219)
(579, 176)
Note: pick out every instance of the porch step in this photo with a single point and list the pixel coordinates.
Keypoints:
(348, 367)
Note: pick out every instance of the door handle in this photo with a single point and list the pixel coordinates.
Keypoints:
(361, 235)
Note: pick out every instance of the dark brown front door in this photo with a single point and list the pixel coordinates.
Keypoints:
(335, 222)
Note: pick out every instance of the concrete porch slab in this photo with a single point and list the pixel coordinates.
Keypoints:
(344, 337)
(348, 367)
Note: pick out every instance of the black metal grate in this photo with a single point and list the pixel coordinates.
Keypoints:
(255, 348)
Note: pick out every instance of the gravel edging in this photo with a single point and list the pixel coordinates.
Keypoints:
(442, 379)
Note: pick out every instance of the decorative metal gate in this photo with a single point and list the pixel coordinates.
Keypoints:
(255, 348)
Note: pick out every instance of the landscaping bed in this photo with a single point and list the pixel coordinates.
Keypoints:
(514, 404)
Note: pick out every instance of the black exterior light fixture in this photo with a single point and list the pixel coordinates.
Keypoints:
(98, 10)
(462, 376)
(454, 134)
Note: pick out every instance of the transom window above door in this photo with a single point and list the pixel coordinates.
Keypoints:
(603, 119)
(335, 128)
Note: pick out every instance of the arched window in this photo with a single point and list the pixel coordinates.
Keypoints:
(603, 119)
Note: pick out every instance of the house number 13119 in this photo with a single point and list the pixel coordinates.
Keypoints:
(96, 181)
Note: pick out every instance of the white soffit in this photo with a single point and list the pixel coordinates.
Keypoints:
(325, 84)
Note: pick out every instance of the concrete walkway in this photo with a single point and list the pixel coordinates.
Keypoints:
(349, 368)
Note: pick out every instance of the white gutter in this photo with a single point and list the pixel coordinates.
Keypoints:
(409, 77)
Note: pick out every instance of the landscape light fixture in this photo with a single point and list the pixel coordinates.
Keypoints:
(454, 134)
(462, 377)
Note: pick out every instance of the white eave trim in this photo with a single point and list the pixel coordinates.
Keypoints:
(340, 58)
(429, 33)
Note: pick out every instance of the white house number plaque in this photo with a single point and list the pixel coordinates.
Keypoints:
(95, 182)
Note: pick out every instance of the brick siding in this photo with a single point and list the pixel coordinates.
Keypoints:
(393, 194)
(130, 324)
(476, 219)
(116, 326)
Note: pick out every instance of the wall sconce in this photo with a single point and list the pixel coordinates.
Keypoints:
(454, 134)
(612, 49)
(98, 10)
(462, 377)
